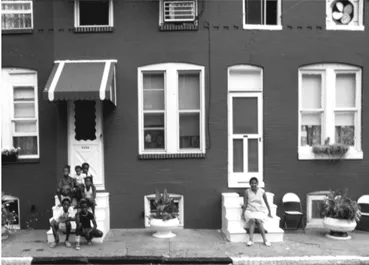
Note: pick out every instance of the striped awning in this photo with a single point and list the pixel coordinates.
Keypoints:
(82, 80)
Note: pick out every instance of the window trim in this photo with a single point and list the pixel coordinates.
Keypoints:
(77, 17)
(18, 12)
(329, 72)
(171, 71)
(330, 24)
(12, 119)
(279, 25)
(237, 180)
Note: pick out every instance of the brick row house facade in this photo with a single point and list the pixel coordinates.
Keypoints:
(194, 96)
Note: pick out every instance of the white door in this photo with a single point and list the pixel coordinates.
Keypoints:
(85, 138)
(245, 138)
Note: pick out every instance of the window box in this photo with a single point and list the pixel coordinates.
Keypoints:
(17, 16)
(329, 107)
(9, 158)
(171, 111)
(93, 16)
(345, 15)
(178, 15)
(262, 14)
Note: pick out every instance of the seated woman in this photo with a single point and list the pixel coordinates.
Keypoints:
(254, 211)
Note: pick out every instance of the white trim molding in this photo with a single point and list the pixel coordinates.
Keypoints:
(357, 22)
(171, 110)
(324, 111)
(245, 81)
(263, 26)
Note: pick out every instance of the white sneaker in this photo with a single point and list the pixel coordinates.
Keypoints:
(250, 243)
(267, 243)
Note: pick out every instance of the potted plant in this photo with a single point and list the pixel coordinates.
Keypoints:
(9, 155)
(340, 214)
(165, 216)
(335, 151)
(8, 218)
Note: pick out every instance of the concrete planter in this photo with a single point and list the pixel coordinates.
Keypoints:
(164, 227)
(339, 228)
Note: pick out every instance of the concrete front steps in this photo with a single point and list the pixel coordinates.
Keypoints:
(102, 215)
(233, 226)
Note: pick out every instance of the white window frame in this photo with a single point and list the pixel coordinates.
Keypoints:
(310, 197)
(18, 11)
(241, 179)
(171, 107)
(328, 72)
(331, 25)
(263, 26)
(77, 16)
(14, 74)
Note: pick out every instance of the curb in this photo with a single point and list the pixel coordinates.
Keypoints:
(129, 260)
(302, 260)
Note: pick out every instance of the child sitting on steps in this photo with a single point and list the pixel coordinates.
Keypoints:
(89, 193)
(66, 186)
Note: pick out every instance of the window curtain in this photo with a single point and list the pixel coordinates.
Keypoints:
(17, 20)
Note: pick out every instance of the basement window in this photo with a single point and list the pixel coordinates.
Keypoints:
(93, 16)
(178, 15)
(262, 14)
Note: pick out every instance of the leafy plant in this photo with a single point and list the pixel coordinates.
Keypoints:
(8, 218)
(165, 207)
(338, 205)
(10, 152)
(330, 149)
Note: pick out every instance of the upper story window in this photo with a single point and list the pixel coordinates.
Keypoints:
(330, 107)
(345, 14)
(93, 15)
(178, 14)
(20, 111)
(171, 109)
(262, 14)
(17, 15)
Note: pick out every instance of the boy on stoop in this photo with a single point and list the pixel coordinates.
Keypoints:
(66, 186)
(62, 222)
(83, 219)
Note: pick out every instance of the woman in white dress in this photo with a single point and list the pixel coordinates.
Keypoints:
(254, 210)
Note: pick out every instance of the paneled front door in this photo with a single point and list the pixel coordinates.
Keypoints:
(85, 138)
(245, 139)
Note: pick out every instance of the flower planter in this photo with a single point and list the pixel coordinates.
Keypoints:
(9, 158)
(339, 228)
(164, 227)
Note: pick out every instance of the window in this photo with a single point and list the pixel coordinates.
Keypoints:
(262, 14)
(17, 15)
(171, 109)
(245, 125)
(95, 14)
(345, 14)
(178, 15)
(330, 107)
(20, 112)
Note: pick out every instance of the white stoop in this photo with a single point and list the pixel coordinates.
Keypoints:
(233, 226)
(102, 215)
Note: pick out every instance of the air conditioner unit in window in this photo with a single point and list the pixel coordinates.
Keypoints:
(179, 11)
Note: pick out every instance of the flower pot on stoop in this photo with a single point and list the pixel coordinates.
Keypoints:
(9, 158)
(164, 227)
(339, 228)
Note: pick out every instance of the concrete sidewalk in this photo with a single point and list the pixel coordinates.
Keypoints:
(137, 246)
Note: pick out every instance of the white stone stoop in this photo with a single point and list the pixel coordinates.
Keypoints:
(233, 225)
(102, 214)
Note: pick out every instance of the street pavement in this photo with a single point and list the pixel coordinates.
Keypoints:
(190, 246)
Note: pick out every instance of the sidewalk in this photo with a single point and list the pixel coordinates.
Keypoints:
(137, 246)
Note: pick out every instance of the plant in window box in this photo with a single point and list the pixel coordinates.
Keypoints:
(10, 155)
(333, 150)
(165, 216)
(8, 218)
(340, 214)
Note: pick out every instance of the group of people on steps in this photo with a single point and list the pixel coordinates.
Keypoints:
(77, 195)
